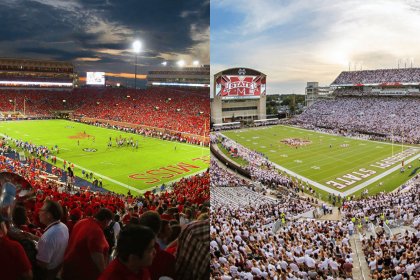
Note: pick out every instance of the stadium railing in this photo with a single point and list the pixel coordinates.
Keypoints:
(232, 165)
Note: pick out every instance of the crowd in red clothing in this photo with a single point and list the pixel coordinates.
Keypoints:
(87, 213)
(184, 110)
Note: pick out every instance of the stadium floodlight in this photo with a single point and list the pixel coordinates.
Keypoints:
(164, 63)
(181, 63)
(118, 84)
(136, 48)
(195, 62)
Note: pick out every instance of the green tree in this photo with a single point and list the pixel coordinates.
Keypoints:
(269, 110)
(292, 109)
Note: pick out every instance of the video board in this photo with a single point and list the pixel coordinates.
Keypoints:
(240, 86)
(95, 78)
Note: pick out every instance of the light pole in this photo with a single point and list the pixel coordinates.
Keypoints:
(136, 47)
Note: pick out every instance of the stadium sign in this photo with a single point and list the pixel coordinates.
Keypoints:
(90, 150)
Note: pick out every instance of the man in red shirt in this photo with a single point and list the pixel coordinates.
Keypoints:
(135, 253)
(12, 257)
(127, 217)
(87, 250)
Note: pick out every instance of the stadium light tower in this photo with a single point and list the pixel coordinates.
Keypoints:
(136, 47)
(195, 62)
(181, 63)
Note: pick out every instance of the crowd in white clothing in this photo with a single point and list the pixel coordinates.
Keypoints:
(387, 117)
(406, 75)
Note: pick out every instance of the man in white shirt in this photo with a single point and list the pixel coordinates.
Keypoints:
(52, 245)
(334, 267)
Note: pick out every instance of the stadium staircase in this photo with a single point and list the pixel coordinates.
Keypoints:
(361, 269)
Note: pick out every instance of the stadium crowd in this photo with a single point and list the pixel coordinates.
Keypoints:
(165, 234)
(387, 117)
(173, 109)
(406, 75)
(244, 246)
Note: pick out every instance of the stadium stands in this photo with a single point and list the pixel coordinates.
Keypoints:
(381, 117)
(186, 197)
(173, 109)
(246, 242)
(406, 75)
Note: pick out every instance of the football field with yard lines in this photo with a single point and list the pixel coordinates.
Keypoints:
(331, 163)
(153, 163)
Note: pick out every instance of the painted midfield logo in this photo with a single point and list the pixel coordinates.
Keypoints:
(344, 145)
(90, 150)
(80, 136)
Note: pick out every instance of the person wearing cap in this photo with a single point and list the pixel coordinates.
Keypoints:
(75, 216)
(348, 268)
(135, 252)
(12, 257)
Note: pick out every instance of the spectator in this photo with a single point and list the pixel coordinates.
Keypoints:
(13, 260)
(164, 233)
(135, 252)
(52, 244)
(193, 254)
(164, 262)
(86, 254)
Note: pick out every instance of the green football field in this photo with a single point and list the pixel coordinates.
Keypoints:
(348, 166)
(153, 163)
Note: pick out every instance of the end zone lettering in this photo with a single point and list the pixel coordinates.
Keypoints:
(353, 179)
(158, 174)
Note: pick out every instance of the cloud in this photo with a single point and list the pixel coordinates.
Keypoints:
(96, 34)
(126, 75)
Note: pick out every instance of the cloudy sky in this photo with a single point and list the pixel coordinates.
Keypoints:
(299, 41)
(97, 35)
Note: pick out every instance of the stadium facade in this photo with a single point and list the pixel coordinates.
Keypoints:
(179, 76)
(239, 94)
(37, 74)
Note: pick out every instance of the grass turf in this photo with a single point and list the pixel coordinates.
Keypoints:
(114, 165)
(321, 163)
